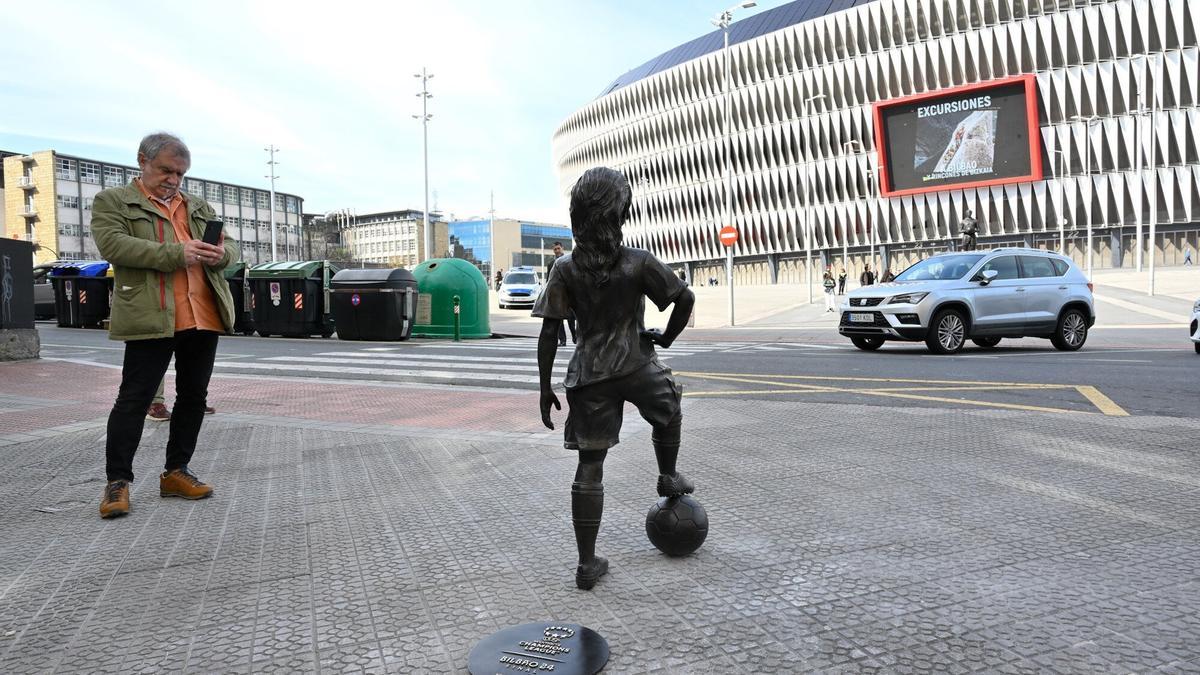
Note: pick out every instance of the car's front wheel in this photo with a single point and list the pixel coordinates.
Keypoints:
(986, 342)
(947, 332)
(868, 344)
(1071, 332)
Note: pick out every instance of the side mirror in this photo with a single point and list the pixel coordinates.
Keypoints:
(988, 275)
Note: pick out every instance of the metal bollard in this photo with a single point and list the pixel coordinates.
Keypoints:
(457, 313)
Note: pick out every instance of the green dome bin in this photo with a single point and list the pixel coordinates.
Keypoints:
(438, 281)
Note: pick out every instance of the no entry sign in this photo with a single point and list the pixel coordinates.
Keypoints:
(729, 235)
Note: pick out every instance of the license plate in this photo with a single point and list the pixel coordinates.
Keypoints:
(862, 318)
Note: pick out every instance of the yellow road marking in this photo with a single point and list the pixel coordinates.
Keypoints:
(1104, 403)
(833, 378)
(737, 392)
(973, 388)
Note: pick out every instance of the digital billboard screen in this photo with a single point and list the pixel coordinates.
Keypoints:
(983, 134)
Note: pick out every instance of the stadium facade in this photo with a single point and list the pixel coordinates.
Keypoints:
(1113, 135)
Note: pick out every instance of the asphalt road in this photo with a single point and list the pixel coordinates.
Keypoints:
(1134, 371)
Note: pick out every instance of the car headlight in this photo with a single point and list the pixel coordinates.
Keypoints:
(907, 299)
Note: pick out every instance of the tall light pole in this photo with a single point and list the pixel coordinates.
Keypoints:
(1139, 87)
(1055, 157)
(1087, 167)
(848, 147)
(872, 189)
(491, 237)
(271, 150)
(722, 21)
(425, 117)
(1153, 184)
(808, 235)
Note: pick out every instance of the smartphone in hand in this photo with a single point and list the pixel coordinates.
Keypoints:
(212, 232)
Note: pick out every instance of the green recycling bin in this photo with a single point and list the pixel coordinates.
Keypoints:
(439, 281)
(292, 298)
(239, 288)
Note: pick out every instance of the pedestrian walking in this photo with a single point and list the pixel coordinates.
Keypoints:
(169, 299)
(158, 411)
(570, 320)
(1187, 256)
(888, 276)
(499, 278)
(867, 278)
(606, 285)
(829, 283)
(841, 280)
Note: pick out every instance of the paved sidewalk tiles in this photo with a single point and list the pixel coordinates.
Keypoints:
(844, 538)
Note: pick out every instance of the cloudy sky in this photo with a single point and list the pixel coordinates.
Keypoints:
(331, 84)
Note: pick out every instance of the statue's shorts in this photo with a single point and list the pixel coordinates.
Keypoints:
(595, 410)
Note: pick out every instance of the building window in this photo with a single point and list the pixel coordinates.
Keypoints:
(230, 195)
(278, 202)
(68, 201)
(64, 168)
(113, 176)
(89, 172)
(68, 229)
(261, 199)
(87, 203)
(212, 192)
(291, 204)
(195, 187)
(133, 173)
(247, 197)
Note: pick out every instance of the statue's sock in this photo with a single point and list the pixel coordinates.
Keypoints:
(587, 508)
(666, 445)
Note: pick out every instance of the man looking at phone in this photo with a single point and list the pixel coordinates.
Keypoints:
(169, 299)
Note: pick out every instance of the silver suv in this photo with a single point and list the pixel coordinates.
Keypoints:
(982, 296)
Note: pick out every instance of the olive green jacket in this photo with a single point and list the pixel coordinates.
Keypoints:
(139, 242)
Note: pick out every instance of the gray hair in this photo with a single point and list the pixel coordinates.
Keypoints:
(155, 143)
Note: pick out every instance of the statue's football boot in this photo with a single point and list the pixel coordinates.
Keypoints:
(674, 485)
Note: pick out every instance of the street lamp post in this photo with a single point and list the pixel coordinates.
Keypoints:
(872, 191)
(1153, 186)
(849, 147)
(808, 235)
(271, 149)
(1055, 157)
(1087, 167)
(425, 117)
(722, 21)
(491, 237)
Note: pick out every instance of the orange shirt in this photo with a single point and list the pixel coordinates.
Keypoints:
(195, 306)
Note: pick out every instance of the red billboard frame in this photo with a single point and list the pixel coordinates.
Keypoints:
(1031, 114)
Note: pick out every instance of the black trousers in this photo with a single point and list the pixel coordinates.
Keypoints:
(145, 365)
(562, 333)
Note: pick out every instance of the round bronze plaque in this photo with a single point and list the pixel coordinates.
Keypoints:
(543, 647)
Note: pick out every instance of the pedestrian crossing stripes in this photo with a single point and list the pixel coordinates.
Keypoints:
(509, 362)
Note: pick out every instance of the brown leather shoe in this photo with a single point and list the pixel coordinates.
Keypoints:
(182, 483)
(158, 413)
(115, 501)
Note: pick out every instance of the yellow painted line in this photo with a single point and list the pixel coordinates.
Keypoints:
(831, 378)
(1027, 387)
(870, 392)
(739, 392)
(748, 380)
(988, 404)
(1104, 403)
